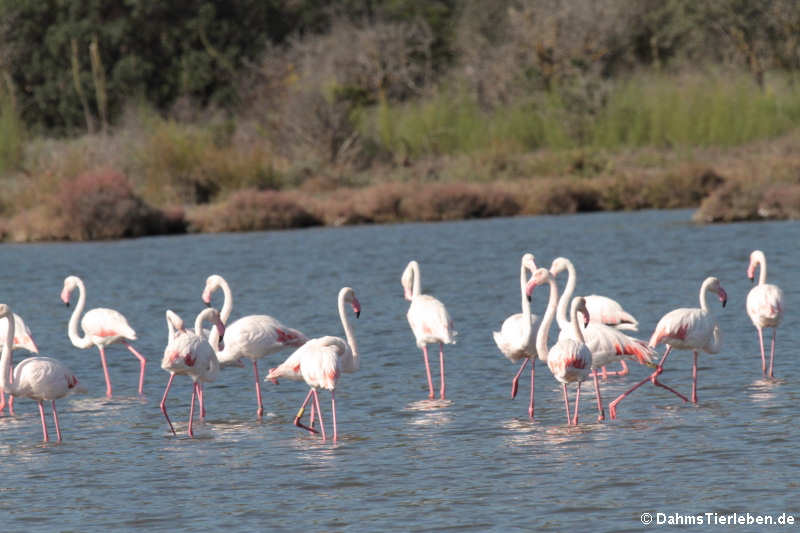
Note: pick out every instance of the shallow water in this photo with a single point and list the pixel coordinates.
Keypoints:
(472, 462)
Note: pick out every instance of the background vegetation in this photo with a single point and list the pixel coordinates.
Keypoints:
(129, 118)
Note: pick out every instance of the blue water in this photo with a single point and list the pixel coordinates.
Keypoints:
(474, 462)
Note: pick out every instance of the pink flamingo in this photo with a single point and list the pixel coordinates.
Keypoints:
(607, 344)
(429, 321)
(101, 327)
(764, 305)
(569, 360)
(685, 329)
(252, 336)
(320, 362)
(22, 339)
(190, 354)
(38, 378)
(516, 338)
(602, 309)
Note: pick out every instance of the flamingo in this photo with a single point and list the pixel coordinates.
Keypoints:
(764, 305)
(189, 353)
(320, 361)
(569, 360)
(22, 339)
(429, 321)
(38, 378)
(685, 329)
(607, 344)
(213, 283)
(101, 327)
(602, 309)
(516, 338)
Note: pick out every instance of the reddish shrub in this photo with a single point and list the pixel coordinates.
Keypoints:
(781, 201)
(102, 205)
(253, 210)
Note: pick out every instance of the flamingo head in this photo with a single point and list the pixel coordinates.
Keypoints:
(579, 305)
(756, 257)
(5, 311)
(213, 282)
(407, 280)
(348, 295)
(716, 287)
(529, 262)
(70, 282)
(559, 265)
(540, 275)
(272, 376)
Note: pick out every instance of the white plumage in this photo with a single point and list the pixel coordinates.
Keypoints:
(764, 306)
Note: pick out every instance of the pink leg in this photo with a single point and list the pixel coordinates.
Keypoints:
(566, 404)
(319, 413)
(622, 372)
(44, 425)
(299, 416)
(441, 370)
(653, 378)
(761, 343)
(55, 418)
(604, 373)
(514, 382)
(2, 400)
(333, 410)
(431, 395)
(105, 370)
(694, 378)
(772, 351)
(577, 401)
(164, 403)
(533, 378)
(602, 414)
(191, 409)
(202, 401)
(11, 405)
(260, 410)
(311, 416)
(142, 363)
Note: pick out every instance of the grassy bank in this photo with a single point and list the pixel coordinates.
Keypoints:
(715, 142)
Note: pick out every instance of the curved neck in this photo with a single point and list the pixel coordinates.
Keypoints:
(416, 282)
(526, 304)
(762, 273)
(5, 358)
(561, 317)
(544, 328)
(703, 292)
(213, 332)
(72, 328)
(348, 330)
(227, 303)
(575, 324)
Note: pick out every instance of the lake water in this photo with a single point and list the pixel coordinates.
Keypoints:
(474, 462)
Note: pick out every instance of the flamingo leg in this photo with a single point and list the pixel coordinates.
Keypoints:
(202, 401)
(260, 410)
(621, 372)
(604, 372)
(694, 378)
(514, 382)
(653, 378)
(164, 403)
(602, 414)
(319, 413)
(142, 363)
(577, 401)
(300, 412)
(44, 425)
(311, 416)
(191, 408)
(566, 404)
(2, 400)
(105, 370)
(772, 351)
(441, 370)
(333, 410)
(11, 404)
(431, 395)
(761, 344)
(533, 378)
(55, 418)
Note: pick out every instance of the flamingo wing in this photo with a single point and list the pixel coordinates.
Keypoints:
(430, 321)
(608, 311)
(610, 345)
(684, 328)
(569, 360)
(45, 378)
(765, 305)
(106, 326)
(319, 364)
(511, 339)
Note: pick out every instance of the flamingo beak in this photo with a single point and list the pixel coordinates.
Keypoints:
(723, 296)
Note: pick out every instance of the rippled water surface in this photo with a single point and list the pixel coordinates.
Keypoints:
(472, 462)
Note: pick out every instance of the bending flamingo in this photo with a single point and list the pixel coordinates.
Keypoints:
(22, 339)
(429, 321)
(602, 310)
(569, 360)
(188, 353)
(607, 344)
(516, 338)
(764, 305)
(101, 327)
(320, 361)
(38, 378)
(685, 329)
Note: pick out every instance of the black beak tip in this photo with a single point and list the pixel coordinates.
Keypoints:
(529, 298)
(358, 314)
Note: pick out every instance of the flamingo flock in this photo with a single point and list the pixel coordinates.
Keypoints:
(592, 335)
